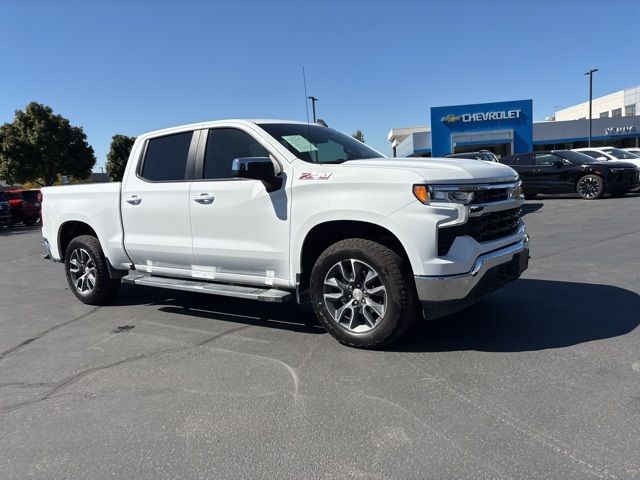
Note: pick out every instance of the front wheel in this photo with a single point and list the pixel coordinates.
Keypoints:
(87, 271)
(590, 187)
(363, 293)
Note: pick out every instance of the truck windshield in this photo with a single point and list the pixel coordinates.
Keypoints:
(316, 144)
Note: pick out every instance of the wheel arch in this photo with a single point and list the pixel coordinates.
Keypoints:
(74, 228)
(70, 230)
(324, 234)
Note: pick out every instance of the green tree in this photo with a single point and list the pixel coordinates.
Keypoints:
(39, 145)
(358, 135)
(118, 156)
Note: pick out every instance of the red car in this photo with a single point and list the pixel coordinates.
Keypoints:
(25, 206)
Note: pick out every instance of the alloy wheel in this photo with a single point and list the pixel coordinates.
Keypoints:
(82, 269)
(355, 295)
(589, 187)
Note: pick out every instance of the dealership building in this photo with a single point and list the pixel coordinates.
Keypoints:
(507, 127)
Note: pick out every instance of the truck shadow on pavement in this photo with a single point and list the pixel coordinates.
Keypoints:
(269, 315)
(530, 315)
(526, 315)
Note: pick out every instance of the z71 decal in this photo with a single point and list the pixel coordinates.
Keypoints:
(314, 176)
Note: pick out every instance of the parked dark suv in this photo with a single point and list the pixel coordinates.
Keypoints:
(565, 171)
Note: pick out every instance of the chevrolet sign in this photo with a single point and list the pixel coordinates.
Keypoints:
(482, 116)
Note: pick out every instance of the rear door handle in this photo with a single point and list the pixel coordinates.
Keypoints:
(204, 198)
(134, 200)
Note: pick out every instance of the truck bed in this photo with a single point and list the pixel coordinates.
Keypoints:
(96, 204)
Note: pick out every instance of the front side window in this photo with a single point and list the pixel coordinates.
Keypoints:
(166, 158)
(577, 158)
(316, 144)
(223, 146)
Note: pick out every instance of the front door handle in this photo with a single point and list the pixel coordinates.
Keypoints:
(204, 198)
(134, 200)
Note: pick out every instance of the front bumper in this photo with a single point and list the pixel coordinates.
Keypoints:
(490, 271)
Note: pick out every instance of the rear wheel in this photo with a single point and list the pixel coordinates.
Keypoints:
(30, 222)
(88, 273)
(363, 293)
(590, 187)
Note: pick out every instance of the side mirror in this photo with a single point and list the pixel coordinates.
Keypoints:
(602, 159)
(257, 168)
(558, 164)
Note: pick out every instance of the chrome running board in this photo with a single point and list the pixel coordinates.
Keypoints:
(225, 290)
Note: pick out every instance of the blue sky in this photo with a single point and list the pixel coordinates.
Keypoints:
(130, 67)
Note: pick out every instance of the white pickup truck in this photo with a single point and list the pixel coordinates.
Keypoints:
(277, 210)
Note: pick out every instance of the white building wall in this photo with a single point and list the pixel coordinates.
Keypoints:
(607, 103)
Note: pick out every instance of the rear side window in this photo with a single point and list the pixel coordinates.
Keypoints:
(166, 157)
(546, 159)
(520, 160)
(223, 146)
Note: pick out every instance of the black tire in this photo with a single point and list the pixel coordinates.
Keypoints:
(590, 187)
(29, 222)
(393, 273)
(104, 287)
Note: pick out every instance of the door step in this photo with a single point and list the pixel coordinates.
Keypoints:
(238, 291)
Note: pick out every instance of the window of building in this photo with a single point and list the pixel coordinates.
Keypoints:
(629, 110)
(226, 144)
(166, 157)
(604, 114)
(616, 112)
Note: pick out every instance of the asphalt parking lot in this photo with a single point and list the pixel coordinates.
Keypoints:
(539, 380)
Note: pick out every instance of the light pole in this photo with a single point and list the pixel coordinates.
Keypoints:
(590, 73)
(313, 106)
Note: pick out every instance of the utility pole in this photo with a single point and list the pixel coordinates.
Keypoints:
(313, 106)
(590, 73)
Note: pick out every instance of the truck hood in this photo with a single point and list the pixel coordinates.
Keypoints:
(444, 170)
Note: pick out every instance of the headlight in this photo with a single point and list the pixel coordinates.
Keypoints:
(452, 197)
(516, 192)
(431, 194)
